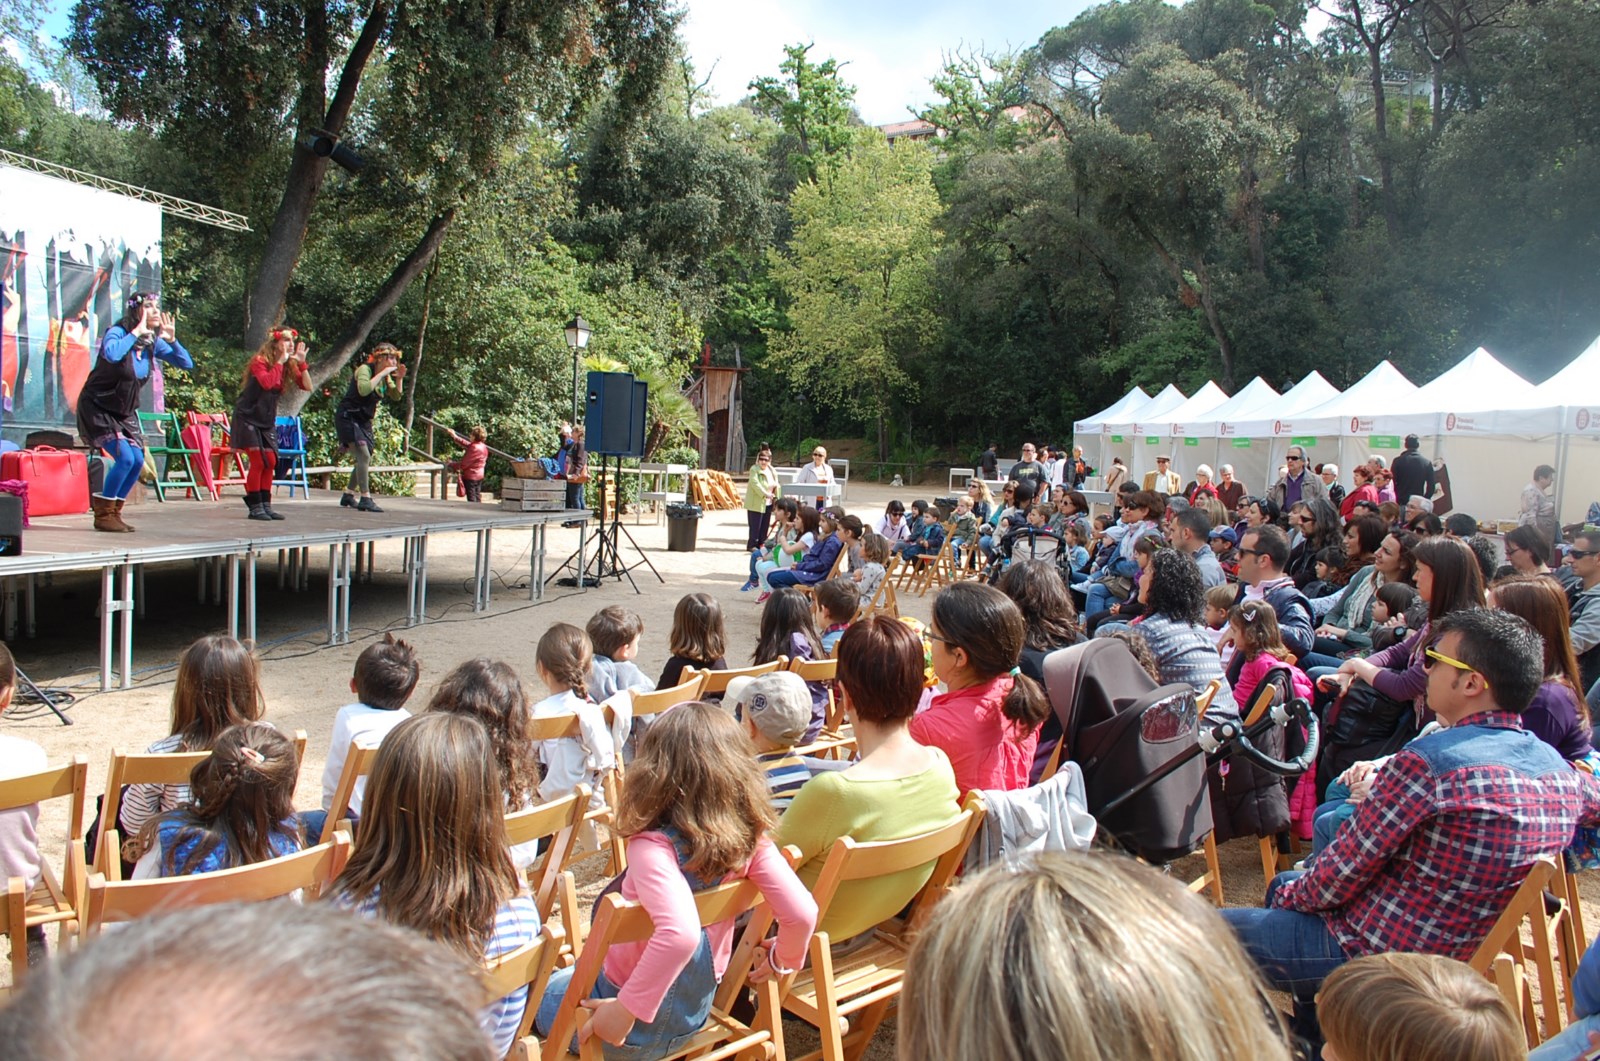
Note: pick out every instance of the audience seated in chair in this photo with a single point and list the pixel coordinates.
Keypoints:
(1431, 858)
(251, 980)
(1167, 981)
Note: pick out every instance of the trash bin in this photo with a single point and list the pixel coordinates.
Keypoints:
(946, 507)
(683, 526)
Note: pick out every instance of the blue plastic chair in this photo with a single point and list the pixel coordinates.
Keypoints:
(291, 468)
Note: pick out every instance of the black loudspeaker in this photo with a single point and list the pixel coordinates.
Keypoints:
(614, 424)
(10, 525)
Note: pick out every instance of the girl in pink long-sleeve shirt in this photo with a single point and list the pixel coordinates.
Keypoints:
(696, 812)
(1258, 639)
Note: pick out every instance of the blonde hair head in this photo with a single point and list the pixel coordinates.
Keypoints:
(1082, 957)
(1416, 1007)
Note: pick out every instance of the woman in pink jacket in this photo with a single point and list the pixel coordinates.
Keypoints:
(696, 811)
(987, 723)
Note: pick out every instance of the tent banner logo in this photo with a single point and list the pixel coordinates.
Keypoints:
(1450, 422)
(1582, 420)
(1279, 427)
(1225, 430)
(1360, 425)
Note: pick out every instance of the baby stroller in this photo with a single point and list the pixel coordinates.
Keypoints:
(1028, 544)
(1144, 752)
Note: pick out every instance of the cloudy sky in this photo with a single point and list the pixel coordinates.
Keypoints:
(892, 47)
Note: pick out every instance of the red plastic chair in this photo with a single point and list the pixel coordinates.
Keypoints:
(222, 452)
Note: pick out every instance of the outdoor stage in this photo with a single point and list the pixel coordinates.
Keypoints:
(218, 535)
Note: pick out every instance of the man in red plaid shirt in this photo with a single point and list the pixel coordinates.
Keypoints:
(1451, 826)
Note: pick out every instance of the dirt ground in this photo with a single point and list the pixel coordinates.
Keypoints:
(306, 681)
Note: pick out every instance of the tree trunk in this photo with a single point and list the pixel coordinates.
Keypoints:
(422, 335)
(381, 303)
(1380, 131)
(287, 233)
(1438, 95)
(883, 437)
(1208, 304)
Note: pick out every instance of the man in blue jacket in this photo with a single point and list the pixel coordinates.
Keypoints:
(1263, 553)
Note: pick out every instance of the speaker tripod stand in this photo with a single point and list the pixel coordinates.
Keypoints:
(606, 561)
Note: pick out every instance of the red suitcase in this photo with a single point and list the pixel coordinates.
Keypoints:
(58, 480)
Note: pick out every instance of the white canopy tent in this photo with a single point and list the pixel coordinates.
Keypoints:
(1165, 431)
(1257, 398)
(1248, 442)
(1087, 432)
(1487, 468)
(1119, 433)
(1577, 390)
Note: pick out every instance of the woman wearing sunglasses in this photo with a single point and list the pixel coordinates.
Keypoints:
(280, 360)
(1448, 578)
(759, 495)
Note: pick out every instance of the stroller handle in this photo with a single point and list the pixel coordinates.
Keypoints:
(1298, 709)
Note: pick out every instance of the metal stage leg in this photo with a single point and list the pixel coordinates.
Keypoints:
(372, 556)
(304, 569)
(204, 564)
(536, 563)
(360, 556)
(30, 625)
(338, 593)
(417, 594)
(283, 563)
(250, 597)
(233, 596)
(10, 608)
(139, 594)
(481, 570)
(109, 607)
(216, 580)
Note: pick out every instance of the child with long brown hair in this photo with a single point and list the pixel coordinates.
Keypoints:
(988, 720)
(254, 426)
(1257, 638)
(492, 693)
(789, 629)
(563, 658)
(697, 640)
(431, 853)
(240, 809)
(696, 811)
(1558, 715)
(218, 685)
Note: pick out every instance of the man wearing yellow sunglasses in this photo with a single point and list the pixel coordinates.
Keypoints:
(1448, 832)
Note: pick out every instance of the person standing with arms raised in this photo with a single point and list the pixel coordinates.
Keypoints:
(255, 414)
(108, 404)
(379, 378)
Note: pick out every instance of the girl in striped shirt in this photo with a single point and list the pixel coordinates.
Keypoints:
(431, 853)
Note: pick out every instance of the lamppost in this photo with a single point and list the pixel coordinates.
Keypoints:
(577, 338)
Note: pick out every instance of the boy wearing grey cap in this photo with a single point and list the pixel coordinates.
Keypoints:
(776, 709)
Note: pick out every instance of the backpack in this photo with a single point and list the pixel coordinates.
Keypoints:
(1362, 724)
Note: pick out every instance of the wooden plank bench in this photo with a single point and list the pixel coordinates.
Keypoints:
(322, 475)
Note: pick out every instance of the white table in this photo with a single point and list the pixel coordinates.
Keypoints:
(658, 476)
(841, 473)
(817, 492)
(961, 474)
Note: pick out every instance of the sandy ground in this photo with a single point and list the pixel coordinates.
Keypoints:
(306, 681)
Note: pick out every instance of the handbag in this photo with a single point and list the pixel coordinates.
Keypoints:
(1362, 724)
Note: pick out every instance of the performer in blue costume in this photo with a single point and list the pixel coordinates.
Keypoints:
(108, 405)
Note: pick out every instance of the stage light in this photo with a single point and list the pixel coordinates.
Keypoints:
(324, 144)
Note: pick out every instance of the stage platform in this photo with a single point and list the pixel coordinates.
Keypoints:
(230, 548)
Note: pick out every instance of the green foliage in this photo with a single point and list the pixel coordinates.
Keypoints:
(812, 103)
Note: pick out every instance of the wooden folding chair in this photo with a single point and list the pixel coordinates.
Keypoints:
(358, 762)
(172, 768)
(170, 458)
(715, 682)
(653, 703)
(558, 821)
(53, 900)
(309, 871)
(222, 452)
(1553, 952)
(618, 922)
(937, 568)
(168, 768)
(557, 727)
(864, 983)
(833, 572)
(835, 737)
(530, 966)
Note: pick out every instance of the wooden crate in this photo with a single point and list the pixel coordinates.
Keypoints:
(533, 489)
(533, 495)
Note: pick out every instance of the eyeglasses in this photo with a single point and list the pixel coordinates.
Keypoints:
(819, 453)
(1438, 657)
(1245, 552)
(1582, 554)
(764, 457)
(931, 636)
(1292, 457)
